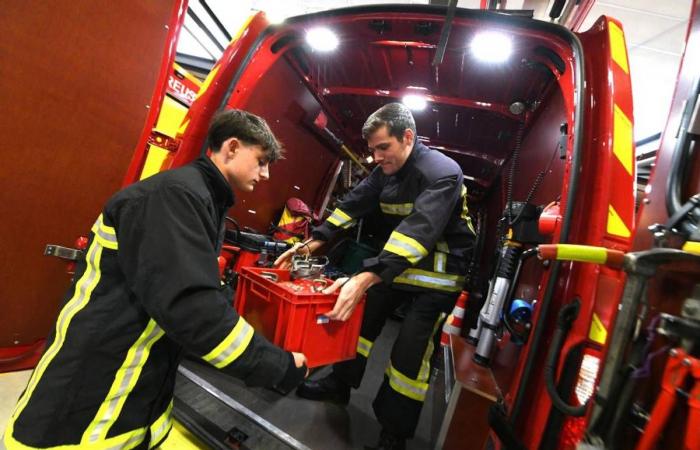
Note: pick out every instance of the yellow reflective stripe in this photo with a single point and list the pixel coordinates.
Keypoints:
(398, 209)
(340, 219)
(106, 235)
(232, 346)
(81, 296)
(432, 280)
(618, 50)
(123, 441)
(405, 246)
(161, 426)
(364, 347)
(406, 386)
(424, 373)
(441, 246)
(584, 253)
(616, 225)
(465, 210)
(623, 147)
(440, 262)
(124, 381)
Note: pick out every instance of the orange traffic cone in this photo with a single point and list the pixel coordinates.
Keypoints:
(453, 324)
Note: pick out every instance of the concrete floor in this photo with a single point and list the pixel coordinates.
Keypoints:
(11, 386)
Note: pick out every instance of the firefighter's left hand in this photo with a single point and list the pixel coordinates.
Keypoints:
(350, 295)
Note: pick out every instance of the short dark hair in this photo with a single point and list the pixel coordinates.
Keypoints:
(397, 118)
(247, 127)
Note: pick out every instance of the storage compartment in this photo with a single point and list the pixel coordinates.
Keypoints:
(292, 315)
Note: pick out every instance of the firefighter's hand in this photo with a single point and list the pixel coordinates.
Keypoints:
(350, 295)
(284, 261)
(300, 360)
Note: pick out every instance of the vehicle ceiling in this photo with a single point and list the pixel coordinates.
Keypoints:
(383, 55)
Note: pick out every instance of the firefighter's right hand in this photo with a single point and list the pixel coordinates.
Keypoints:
(300, 361)
(284, 261)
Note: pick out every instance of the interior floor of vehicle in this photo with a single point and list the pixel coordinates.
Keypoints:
(228, 414)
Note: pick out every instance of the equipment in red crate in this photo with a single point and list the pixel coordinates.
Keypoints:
(246, 249)
(289, 308)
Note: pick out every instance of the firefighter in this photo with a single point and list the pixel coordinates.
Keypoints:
(422, 197)
(147, 291)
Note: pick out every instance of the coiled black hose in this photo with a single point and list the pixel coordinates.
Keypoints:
(567, 315)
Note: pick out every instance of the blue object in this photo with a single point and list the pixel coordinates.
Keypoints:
(520, 310)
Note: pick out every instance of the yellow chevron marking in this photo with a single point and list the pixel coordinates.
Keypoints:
(616, 225)
(622, 139)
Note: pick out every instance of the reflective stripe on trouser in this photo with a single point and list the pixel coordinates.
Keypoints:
(410, 355)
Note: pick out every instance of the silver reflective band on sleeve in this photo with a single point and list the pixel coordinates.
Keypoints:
(105, 235)
(405, 246)
(232, 346)
(340, 219)
(397, 209)
(432, 280)
(406, 386)
(364, 347)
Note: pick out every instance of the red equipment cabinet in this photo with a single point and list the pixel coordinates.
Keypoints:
(292, 315)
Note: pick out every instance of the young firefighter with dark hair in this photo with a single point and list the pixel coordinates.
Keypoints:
(422, 196)
(147, 291)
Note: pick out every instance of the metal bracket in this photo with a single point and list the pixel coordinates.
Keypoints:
(67, 253)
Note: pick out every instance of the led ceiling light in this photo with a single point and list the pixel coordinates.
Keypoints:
(322, 39)
(491, 46)
(415, 102)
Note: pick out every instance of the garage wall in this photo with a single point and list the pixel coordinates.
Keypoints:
(76, 77)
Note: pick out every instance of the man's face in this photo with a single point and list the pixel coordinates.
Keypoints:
(387, 151)
(245, 165)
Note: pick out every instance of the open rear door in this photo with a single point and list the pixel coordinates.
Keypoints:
(603, 216)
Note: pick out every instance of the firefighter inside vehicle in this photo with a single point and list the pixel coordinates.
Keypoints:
(424, 203)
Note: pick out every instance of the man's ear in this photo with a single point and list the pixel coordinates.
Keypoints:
(230, 146)
(409, 136)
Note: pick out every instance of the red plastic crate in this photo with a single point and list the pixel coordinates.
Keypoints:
(295, 320)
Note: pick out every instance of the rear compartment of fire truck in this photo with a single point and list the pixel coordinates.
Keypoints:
(531, 119)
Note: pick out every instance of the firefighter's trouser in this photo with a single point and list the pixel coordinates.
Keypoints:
(402, 393)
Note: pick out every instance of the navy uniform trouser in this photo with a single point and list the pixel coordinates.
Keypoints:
(402, 393)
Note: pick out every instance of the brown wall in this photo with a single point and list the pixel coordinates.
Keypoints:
(285, 103)
(75, 79)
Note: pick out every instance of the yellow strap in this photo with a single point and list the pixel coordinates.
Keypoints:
(583, 253)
